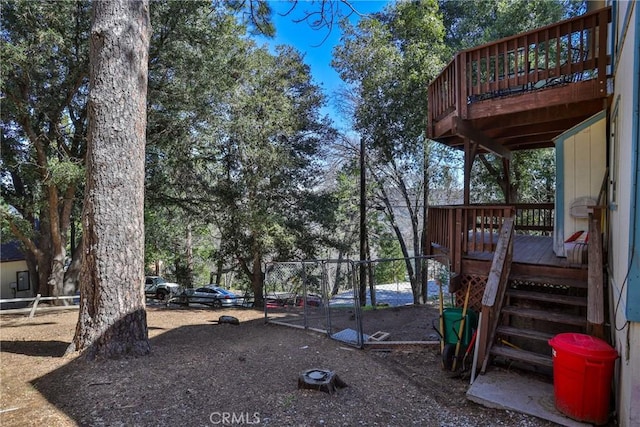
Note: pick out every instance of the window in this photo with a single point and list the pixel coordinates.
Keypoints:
(23, 281)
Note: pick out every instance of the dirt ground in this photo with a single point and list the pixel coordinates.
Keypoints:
(202, 374)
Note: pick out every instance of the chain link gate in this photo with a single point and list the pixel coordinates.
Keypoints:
(315, 295)
(325, 296)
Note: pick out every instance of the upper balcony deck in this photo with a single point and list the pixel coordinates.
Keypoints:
(521, 92)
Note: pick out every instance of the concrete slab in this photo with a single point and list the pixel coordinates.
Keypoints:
(518, 392)
(349, 336)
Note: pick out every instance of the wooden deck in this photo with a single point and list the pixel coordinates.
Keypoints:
(535, 250)
(469, 235)
(521, 92)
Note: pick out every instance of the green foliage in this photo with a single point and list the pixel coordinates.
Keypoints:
(256, 14)
(44, 77)
(474, 22)
(346, 214)
(270, 158)
(44, 55)
(195, 48)
(193, 54)
(234, 143)
(388, 61)
(532, 178)
(65, 172)
(389, 271)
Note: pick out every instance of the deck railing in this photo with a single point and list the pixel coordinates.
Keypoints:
(458, 230)
(534, 218)
(568, 51)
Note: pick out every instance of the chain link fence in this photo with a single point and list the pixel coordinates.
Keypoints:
(327, 296)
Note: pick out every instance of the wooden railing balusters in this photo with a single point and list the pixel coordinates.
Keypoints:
(522, 62)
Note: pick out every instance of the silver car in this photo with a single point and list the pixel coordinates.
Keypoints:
(158, 288)
(212, 295)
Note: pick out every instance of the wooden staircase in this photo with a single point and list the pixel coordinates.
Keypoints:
(533, 312)
(524, 303)
(522, 312)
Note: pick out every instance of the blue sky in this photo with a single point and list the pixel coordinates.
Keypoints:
(310, 42)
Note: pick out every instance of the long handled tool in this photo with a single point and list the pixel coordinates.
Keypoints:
(470, 348)
(441, 306)
(461, 330)
(475, 351)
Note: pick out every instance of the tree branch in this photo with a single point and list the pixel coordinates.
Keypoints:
(26, 241)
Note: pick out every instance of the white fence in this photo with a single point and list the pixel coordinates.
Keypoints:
(34, 304)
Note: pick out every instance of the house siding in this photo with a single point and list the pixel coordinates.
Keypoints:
(580, 169)
(624, 234)
(8, 276)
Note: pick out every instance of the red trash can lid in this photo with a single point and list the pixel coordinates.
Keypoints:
(583, 345)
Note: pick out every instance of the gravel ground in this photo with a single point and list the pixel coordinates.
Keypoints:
(202, 374)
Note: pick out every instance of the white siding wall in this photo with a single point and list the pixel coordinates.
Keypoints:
(584, 164)
(8, 272)
(627, 341)
(586, 157)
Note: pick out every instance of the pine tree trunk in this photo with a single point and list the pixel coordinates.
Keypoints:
(43, 262)
(72, 275)
(44, 256)
(112, 321)
(257, 279)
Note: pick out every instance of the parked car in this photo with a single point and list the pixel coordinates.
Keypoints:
(157, 287)
(212, 295)
(312, 300)
(278, 299)
(288, 299)
(273, 302)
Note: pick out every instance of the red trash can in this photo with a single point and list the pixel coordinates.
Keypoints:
(582, 371)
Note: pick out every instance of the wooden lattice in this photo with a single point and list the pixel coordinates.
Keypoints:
(478, 284)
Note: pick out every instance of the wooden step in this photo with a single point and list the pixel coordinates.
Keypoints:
(551, 316)
(548, 297)
(552, 280)
(522, 355)
(524, 333)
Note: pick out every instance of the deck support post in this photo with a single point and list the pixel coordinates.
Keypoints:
(470, 151)
(506, 163)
